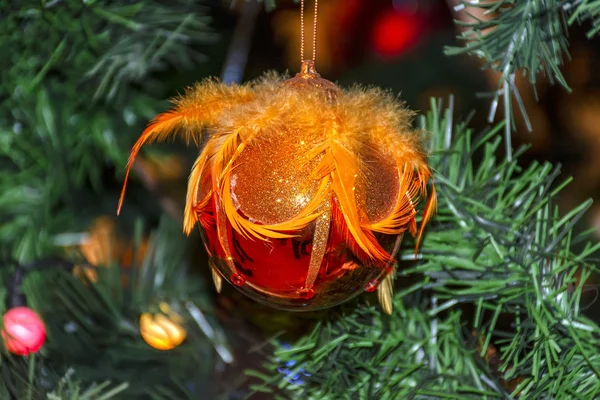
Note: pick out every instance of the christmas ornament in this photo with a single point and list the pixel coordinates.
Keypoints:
(303, 190)
(23, 331)
(102, 245)
(163, 331)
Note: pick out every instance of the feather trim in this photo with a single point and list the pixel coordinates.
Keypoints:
(341, 228)
(385, 293)
(404, 210)
(161, 127)
(343, 165)
(428, 212)
(216, 277)
(192, 206)
(200, 107)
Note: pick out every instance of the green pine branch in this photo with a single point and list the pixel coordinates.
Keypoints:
(76, 84)
(67, 389)
(497, 273)
(526, 37)
(19, 377)
(586, 10)
(94, 334)
(519, 35)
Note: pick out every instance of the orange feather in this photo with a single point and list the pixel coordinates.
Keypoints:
(194, 183)
(161, 127)
(428, 212)
(343, 182)
(336, 131)
(340, 224)
(404, 210)
(199, 107)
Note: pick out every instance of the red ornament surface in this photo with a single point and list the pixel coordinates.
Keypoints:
(23, 331)
(274, 272)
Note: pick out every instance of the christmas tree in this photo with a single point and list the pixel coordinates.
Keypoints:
(498, 301)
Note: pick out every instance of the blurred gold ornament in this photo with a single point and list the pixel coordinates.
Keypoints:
(103, 245)
(163, 167)
(163, 332)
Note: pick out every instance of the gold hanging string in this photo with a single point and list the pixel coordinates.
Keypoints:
(301, 30)
(315, 31)
(314, 57)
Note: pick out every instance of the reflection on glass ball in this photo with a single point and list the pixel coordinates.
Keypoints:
(274, 272)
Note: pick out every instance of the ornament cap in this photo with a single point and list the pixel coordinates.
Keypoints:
(309, 77)
(308, 70)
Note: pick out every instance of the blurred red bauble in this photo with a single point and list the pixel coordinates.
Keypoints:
(395, 32)
(23, 331)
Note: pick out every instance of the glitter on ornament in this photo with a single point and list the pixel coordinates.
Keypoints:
(23, 331)
(303, 190)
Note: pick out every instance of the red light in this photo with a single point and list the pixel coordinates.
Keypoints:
(396, 32)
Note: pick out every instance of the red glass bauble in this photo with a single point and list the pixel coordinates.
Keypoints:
(303, 190)
(269, 188)
(23, 331)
